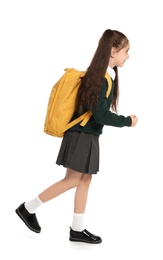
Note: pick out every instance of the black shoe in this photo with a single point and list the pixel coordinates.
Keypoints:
(84, 236)
(29, 219)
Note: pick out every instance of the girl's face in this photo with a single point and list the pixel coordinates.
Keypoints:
(118, 57)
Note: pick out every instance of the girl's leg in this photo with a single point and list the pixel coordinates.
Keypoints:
(26, 211)
(71, 180)
(82, 193)
(80, 201)
(77, 233)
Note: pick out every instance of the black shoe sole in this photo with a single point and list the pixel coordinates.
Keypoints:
(23, 219)
(84, 241)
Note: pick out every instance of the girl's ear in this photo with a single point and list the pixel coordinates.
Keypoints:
(113, 52)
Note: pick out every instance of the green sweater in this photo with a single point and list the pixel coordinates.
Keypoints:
(102, 115)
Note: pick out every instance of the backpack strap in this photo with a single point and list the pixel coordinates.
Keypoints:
(84, 118)
(107, 76)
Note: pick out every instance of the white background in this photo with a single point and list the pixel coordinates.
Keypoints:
(38, 39)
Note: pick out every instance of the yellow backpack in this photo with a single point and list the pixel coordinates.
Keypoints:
(61, 105)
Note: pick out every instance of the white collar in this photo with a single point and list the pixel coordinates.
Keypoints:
(111, 73)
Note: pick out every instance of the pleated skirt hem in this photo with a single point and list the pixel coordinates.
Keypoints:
(79, 151)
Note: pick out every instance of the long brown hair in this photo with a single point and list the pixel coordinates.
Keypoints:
(91, 82)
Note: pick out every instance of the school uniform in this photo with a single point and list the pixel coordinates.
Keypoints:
(80, 145)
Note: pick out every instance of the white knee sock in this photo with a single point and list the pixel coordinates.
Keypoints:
(33, 204)
(77, 223)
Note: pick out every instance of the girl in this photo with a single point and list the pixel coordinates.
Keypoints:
(79, 151)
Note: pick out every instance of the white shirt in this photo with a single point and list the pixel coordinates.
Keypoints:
(111, 73)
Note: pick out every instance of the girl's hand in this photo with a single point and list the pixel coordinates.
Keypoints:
(134, 120)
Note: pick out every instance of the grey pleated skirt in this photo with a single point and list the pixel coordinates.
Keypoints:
(80, 152)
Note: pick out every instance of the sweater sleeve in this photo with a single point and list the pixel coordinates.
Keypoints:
(103, 115)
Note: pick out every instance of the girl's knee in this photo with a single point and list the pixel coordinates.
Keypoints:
(86, 179)
(73, 177)
(77, 178)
